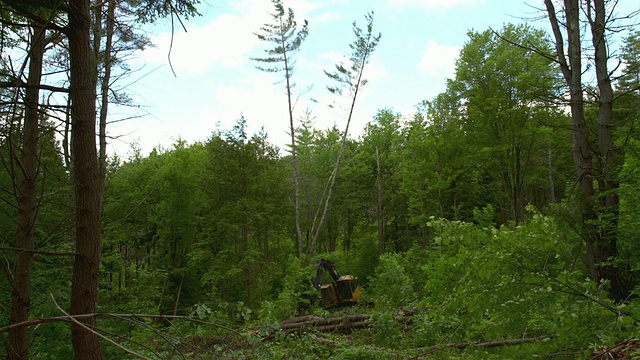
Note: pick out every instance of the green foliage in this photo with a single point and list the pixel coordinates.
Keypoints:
(629, 56)
(505, 89)
(436, 214)
(296, 291)
(149, 11)
(391, 287)
(511, 283)
(287, 39)
(388, 331)
(363, 258)
(361, 48)
(50, 274)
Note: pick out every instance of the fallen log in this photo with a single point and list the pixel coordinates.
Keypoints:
(300, 319)
(343, 327)
(464, 344)
(316, 321)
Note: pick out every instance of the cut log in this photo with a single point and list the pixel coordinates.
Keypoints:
(341, 324)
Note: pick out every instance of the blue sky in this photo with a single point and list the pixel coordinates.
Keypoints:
(216, 82)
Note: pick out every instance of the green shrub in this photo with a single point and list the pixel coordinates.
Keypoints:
(391, 287)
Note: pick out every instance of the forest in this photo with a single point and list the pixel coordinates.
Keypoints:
(500, 220)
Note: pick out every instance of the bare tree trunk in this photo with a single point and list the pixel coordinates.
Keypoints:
(294, 158)
(82, 92)
(27, 207)
(600, 243)
(265, 241)
(607, 247)
(336, 167)
(104, 88)
(363, 48)
(296, 176)
(552, 186)
(379, 208)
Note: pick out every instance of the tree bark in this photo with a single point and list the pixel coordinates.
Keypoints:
(582, 157)
(294, 153)
(84, 290)
(600, 241)
(379, 208)
(606, 248)
(552, 186)
(104, 86)
(27, 206)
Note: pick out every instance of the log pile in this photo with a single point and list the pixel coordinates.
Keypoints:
(341, 324)
(348, 323)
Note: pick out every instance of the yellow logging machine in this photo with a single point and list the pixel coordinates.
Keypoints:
(344, 291)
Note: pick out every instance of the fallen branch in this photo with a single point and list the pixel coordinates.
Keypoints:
(623, 350)
(84, 326)
(300, 319)
(315, 321)
(489, 344)
(73, 318)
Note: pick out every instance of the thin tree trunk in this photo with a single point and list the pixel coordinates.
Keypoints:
(176, 302)
(294, 150)
(552, 186)
(363, 48)
(104, 90)
(82, 92)
(379, 208)
(27, 208)
(334, 173)
(265, 241)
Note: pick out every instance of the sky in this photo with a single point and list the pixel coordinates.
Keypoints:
(196, 82)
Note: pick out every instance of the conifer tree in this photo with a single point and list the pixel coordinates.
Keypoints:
(284, 34)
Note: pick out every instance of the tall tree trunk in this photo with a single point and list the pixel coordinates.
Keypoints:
(362, 48)
(27, 207)
(552, 186)
(82, 92)
(379, 208)
(600, 242)
(336, 167)
(265, 241)
(606, 248)
(294, 159)
(104, 89)
(572, 72)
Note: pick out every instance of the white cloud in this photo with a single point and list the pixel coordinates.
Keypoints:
(262, 104)
(374, 71)
(432, 4)
(439, 60)
(225, 41)
(326, 17)
(228, 40)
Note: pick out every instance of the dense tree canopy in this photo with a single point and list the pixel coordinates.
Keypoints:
(465, 217)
